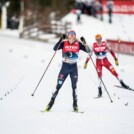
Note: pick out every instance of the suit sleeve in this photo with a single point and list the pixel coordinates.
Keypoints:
(59, 45)
(84, 48)
(111, 51)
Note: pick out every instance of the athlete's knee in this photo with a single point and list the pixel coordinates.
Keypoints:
(99, 73)
(59, 84)
(113, 72)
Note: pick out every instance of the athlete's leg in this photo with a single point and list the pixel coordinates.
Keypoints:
(99, 71)
(109, 66)
(99, 67)
(74, 79)
(99, 87)
(61, 78)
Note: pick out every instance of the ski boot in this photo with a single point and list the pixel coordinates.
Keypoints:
(123, 84)
(100, 92)
(75, 106)
(50, 104)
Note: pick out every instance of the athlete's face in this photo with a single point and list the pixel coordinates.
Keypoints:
(71, 37)
(99, 41)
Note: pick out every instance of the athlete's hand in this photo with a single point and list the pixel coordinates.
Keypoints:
(116, 62)
(63, 36)
(83, 39)
(85, 65)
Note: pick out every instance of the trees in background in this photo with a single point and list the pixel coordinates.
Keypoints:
(38, 11)
(41, 6)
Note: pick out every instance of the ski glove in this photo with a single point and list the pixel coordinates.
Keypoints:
(83, 39)
(116, 62)
(63, 36)
(85, 65)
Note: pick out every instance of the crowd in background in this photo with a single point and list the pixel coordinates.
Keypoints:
(13, 22)
(94, 8)
(90, 7)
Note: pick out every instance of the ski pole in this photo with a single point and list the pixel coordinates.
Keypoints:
(119, 41)
(84, 42)
(46, 68)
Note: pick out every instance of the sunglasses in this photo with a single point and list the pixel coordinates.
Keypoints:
(72, 32)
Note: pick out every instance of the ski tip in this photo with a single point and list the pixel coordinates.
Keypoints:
(98, 97)
(131, 89)
(81, 112)
(43, 111)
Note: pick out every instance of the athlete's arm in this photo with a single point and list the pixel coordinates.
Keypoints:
(84, 48)
(57, 47)
(111, 51)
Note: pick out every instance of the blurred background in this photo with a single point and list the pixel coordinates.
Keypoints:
(34, 18)
(32, 12)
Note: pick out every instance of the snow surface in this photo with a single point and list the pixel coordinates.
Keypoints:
(22, 65)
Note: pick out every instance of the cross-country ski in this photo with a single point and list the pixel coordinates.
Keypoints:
(124, 88)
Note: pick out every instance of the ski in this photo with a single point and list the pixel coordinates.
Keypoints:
(81, 112)
(124, 88)
(98, 97)
(45, 111)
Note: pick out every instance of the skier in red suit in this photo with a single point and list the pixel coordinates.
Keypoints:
(100, 48)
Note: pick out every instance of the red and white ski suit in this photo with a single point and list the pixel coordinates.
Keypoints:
(101, 58)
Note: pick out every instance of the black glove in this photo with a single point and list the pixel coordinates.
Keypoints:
(83, 39)
(63, 36)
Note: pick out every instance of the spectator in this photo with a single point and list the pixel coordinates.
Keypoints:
(110, 9)
(93, 8)
(13, 23)
(101, 9)
(78, 13)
